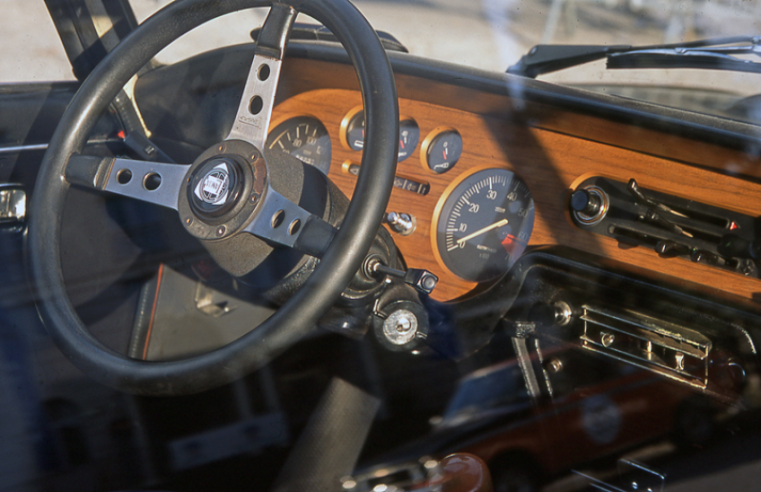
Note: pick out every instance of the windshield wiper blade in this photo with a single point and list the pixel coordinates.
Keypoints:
(715, 54)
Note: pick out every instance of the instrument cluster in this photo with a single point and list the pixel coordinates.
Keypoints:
(481, 222)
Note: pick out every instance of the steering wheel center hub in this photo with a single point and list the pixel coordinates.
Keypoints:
(222, 190)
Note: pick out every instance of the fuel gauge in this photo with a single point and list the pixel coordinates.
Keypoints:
(441, 150)
(409, 135)
(353, 133)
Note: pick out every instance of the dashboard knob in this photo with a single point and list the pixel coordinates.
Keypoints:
(585, 203)
(402, 223)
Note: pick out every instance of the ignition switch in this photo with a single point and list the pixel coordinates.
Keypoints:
(400, 325)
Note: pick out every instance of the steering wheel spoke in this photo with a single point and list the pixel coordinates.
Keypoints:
(283, 222)
(153, 182)
(255, 108)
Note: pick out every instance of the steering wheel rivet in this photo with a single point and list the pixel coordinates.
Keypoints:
(221, 231)
(254, 197)
(189, 220)
(221, 148)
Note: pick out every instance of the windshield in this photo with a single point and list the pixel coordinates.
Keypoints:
(232, 264)
(489, 35)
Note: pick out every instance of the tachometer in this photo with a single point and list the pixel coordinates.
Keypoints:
(305, 138)
(483, 224)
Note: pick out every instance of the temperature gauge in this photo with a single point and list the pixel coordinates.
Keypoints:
(353, 134)
(409, 134)
(354, 131)
(441, 150)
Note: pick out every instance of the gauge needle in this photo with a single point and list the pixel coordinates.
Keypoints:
(486, 229)
(512, 239)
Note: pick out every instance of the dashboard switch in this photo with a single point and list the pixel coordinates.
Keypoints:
(403, 224)
(675, 227)
(589, 205)
(585, 202)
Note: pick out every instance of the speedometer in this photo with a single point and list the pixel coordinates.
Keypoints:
(483, 224)
(305, 138)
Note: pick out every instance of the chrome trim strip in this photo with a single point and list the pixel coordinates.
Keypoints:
(44, 146)
(22, 148)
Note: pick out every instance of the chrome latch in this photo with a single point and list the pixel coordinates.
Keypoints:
(663, 347)
(12, 208)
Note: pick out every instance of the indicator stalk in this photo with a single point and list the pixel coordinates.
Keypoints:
(422, 280)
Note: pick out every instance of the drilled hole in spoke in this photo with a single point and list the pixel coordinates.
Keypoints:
(256, 105)
(264, 72)
(277, 219)
(152, 181)
(294, 227)
(124, 176)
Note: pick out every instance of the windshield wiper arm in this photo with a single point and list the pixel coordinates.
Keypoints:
(715, 54)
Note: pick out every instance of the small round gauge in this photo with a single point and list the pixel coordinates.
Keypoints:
(409, 134)
(441, 150)
(305, 138)
(355, 131)
(483, 224)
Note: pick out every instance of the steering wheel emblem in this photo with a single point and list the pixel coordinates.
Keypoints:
(214, 187)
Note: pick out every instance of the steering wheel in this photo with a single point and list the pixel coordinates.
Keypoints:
(231, 185)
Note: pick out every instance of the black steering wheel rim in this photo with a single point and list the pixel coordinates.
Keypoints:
(320, 291)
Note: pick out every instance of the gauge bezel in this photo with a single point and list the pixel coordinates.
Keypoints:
(344, 129)
(428, 141)
(402, 119)
(445, 195)
(274, 123)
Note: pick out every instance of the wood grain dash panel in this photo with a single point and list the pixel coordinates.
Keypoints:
(551, 164)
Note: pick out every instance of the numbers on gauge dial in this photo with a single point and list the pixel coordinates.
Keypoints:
(484, 224)
(305, 138)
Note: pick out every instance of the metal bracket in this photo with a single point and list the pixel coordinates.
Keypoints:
(12, 208)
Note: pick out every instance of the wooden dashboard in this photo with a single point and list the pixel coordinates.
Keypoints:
(551, 164)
